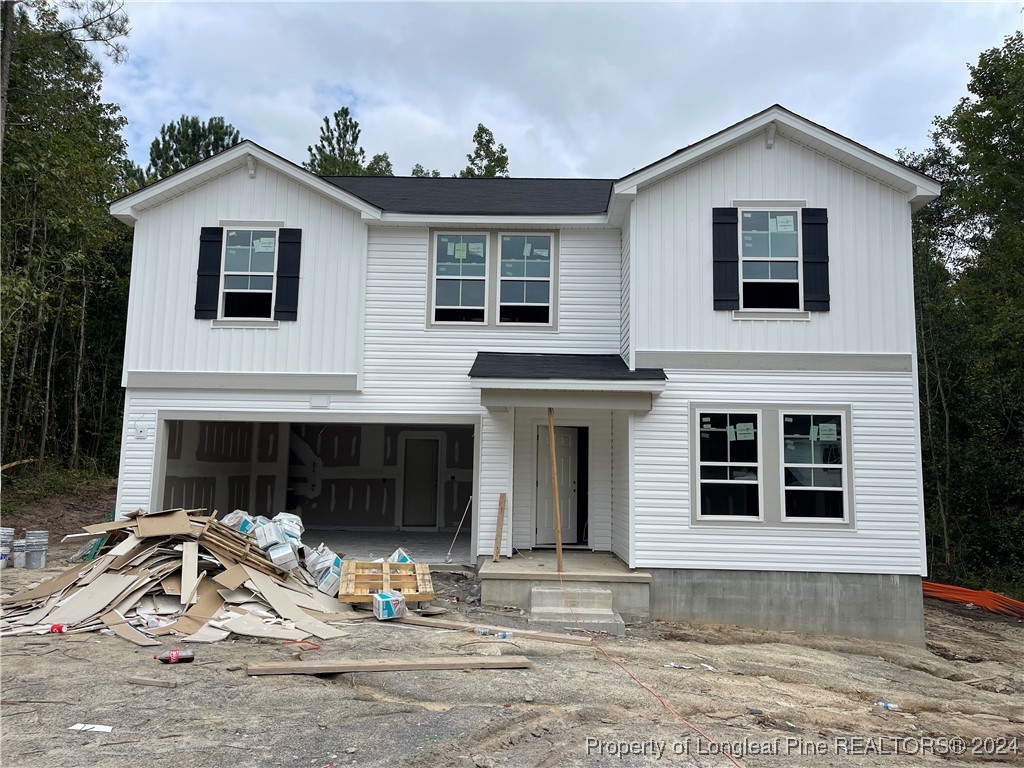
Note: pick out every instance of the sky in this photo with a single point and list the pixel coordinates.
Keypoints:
(571, 89)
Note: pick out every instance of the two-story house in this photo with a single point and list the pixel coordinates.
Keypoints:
(726, 337)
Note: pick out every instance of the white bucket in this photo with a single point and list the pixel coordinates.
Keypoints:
(36, 545)
(17, 558)
(5, 554)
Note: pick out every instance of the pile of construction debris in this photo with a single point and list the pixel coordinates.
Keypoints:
(185, 573)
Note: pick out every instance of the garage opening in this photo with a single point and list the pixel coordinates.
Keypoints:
(364, 488)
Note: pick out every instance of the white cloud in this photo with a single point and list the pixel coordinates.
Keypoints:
(571, 90)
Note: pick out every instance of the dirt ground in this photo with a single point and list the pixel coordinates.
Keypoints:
(769, 698)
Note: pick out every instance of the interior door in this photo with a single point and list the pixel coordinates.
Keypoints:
(566, 455)
(419, 493)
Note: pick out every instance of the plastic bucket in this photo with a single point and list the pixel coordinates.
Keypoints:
(5, 554)
(17, 558)
(36, 545)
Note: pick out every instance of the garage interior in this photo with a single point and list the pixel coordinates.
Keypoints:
(364, 489)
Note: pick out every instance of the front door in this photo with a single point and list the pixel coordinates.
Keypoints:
(566, 458)
(419, 487)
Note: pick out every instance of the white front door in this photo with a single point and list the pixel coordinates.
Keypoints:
(566, 456)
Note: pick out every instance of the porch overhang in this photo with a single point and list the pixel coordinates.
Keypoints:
(508, 379)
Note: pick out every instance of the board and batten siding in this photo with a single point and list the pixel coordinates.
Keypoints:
(888, 535)
(162, 332)
(870, 270)
(624, 340)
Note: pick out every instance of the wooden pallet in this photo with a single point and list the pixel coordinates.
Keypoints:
(360, 581)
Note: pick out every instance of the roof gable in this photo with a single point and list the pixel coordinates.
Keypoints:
(244, 154)
(919, 188)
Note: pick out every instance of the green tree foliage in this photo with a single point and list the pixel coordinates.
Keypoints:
(486, 161)
(64, 260)
(969, 272)
(185, 142)
(420, 172)
(337, 153)
(379, 165)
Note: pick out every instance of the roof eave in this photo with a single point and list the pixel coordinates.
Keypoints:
(245, 153)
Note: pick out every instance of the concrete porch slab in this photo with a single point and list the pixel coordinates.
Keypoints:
(510, 582)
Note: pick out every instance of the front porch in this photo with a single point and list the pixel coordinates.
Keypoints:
(511, 581)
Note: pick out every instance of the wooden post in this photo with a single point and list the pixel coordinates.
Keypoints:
(501, 524)
(554, 489)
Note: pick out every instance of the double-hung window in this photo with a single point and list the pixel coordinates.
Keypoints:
(250, 263)
(770, 259)
(729, 460)
(460, 278)
(813, 466)
(525, 284)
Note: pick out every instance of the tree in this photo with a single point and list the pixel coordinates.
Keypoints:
(420, 172)
(337, 153)
(486, 161)
(379, 165)
(96, 21)
(63, 259)
(187, 141)
(969, 285)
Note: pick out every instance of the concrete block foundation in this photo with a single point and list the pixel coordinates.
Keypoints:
(872, 606)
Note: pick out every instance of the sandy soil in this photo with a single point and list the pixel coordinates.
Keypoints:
(805, 700)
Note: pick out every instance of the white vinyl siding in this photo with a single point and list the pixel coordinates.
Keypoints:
(624, 292)
(870, 270)
(162, 332)
(886, 470)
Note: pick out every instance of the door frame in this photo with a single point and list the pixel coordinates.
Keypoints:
(403, 437)
(591, 426)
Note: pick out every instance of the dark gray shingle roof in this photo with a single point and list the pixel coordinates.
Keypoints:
(515, 365)
(480, 197)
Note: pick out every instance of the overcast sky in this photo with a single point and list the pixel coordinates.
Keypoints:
(577, 89)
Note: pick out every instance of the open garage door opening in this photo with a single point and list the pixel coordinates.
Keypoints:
(363, 488)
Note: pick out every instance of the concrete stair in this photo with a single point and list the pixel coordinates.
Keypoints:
(592, 607)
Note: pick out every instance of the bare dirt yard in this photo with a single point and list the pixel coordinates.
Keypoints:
(768, 698)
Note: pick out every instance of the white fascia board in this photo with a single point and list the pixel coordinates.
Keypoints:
(127, 209)
(570, 385)
(489, 222)
(794, 127)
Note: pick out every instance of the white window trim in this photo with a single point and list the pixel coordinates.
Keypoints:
(550, 279)
(433, 276)
(697, 482)
(799, 258)
(275, 227)
(845, 474)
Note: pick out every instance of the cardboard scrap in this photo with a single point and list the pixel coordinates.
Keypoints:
(176, 522)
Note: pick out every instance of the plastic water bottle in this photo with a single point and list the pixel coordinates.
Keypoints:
(887, 705)
(488, 632)
(176, 656)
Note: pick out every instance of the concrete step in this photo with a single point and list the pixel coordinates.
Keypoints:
(595, 621)
(584, 598)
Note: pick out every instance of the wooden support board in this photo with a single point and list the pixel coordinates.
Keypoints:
(500, 524)
(360, 581)
(335, 666)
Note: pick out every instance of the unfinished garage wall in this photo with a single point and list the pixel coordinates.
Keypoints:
(225, 466)
(352, 475)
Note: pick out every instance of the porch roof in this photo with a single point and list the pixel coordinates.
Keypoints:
(563, 381)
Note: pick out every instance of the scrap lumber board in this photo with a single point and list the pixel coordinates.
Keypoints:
(500, 524)
(336, 666)
(529, 634)
(360, 581)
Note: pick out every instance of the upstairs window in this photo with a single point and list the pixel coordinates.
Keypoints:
(250, 263)
(770, 259)
(729, 462)
(460, 278)
(525, 285)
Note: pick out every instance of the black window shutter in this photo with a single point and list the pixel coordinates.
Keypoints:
(815, 237)
(208, 275)
(289, 251)
(726, 257)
